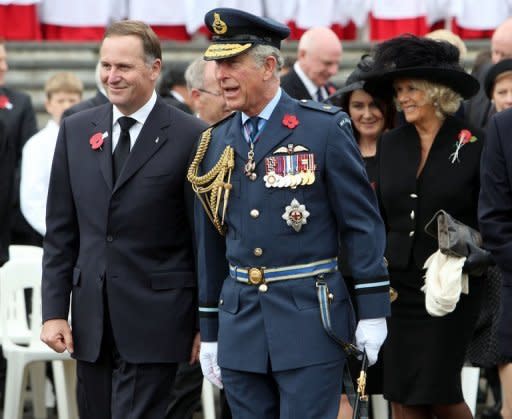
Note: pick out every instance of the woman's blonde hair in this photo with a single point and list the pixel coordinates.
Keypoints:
(445, 100)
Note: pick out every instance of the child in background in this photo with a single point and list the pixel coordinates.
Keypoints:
(63, 90)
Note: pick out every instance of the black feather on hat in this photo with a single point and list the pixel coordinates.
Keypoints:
(412, 57)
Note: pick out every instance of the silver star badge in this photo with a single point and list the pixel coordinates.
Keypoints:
(295, 215)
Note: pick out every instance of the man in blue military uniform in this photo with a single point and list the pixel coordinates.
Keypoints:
(279, 183)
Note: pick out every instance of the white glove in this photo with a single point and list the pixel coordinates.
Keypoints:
(209, 366)
(370, 335)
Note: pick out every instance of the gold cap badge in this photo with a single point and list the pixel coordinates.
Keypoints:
(219, 26)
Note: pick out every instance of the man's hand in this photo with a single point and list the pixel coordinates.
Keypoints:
(196, 346)
(56, 334)
(370, 335)
(209, 366)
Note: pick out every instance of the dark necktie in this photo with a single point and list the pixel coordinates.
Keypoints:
(320, 95)
(252, 123)
(123, 145)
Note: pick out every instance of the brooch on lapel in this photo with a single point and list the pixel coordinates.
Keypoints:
(290, 166)
(463, 138)
(290, 121)
(96, 141)
(295, 215)
(5, 103)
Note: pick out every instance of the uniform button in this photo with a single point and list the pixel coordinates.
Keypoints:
(263, 288)
(413, 195)
(258, 251)
(221, 302)
(412, 215)
(386, 264)
(110, 239)
(253, 176)
(255, 213)
(411, 233)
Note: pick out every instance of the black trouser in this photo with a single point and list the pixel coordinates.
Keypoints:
(112, 388)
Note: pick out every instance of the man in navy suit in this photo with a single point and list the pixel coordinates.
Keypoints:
(318, 59)
(495, 213)
(279, 183)
(118, 240)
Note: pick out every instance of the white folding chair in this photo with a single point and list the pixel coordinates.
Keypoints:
(18, 274)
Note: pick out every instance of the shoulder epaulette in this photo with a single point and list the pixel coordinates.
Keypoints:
(231, 115)
(317, 106)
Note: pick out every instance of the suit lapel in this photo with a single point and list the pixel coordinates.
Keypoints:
(103, 123)
(151, 138)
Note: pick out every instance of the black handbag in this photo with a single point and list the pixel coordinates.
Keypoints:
(458, 239)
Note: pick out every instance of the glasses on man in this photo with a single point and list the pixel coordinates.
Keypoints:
(210, 93)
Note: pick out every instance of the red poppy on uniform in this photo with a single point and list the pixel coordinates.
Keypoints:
(290, 121)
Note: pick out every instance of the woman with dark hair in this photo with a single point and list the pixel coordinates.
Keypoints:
(370, 115)
(430, 163)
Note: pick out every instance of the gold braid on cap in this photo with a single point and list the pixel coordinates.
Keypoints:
(213, 186)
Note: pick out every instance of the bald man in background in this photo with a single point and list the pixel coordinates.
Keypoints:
(318, 59)
(479, 109)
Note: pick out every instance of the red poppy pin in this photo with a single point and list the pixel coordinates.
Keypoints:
(331, 89)
(96, 141)
(465, 136)
(5, 103)
(290, 121)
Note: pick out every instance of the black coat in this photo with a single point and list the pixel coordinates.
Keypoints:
(20, 124)
(133, 238)
(408, 203)
(495, 213)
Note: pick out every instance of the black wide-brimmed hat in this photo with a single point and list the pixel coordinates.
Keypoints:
(493, 73)
(235, 31)
(355, 80)
(412, 57)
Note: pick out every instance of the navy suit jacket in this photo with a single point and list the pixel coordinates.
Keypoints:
(495, 204)
(495, 212)
(284, 324)
(132, 237)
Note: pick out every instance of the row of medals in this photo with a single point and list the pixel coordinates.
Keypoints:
(289, 171)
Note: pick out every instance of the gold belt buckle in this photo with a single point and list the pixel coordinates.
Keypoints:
(256, 276)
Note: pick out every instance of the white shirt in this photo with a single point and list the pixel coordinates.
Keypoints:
(311, 87)
(140, 116)
(36, 166)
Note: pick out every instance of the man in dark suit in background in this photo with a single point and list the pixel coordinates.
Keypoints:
(98, 99)
(118, 237)
(173, 87)
(19, 118)
(318, 59)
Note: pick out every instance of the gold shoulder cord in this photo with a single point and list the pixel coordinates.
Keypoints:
(213, 186)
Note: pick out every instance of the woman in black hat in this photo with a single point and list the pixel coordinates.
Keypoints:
(370, 115)
(428, 164)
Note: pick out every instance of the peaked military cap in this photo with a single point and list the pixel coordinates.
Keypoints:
(235, 31)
